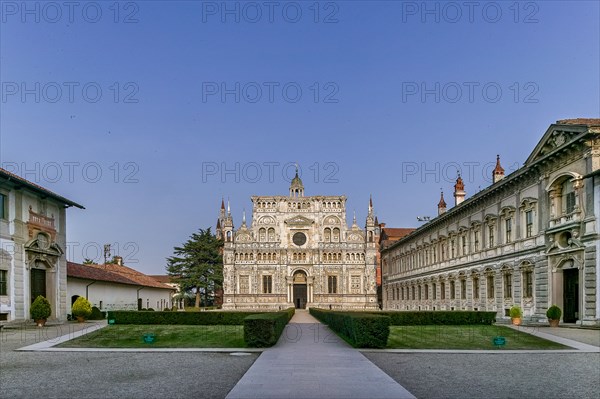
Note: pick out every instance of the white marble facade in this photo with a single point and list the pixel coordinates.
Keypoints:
(298, 251)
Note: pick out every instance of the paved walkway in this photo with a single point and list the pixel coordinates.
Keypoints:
(310, 361)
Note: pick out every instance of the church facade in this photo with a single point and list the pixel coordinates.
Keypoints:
(531, 239)
(298, 252)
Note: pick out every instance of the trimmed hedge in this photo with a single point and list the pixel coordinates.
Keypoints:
(360, 329)
(263, 330)
(181, 318)
(439, 317)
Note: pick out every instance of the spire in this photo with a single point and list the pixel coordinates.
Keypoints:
(370, 205)
(244, 218)
(228, 208)
(441, 204)
(222, 203)
(296, 187)
(498, 171)
(354, 218)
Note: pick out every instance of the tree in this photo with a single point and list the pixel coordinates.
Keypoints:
(198, 265)
(88, 261)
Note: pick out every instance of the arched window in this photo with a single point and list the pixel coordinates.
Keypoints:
(262, 234)
(336, 235)
(271, 234)
(327, 234)
(568, 197)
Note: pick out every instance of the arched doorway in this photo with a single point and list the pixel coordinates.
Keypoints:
(300, 290)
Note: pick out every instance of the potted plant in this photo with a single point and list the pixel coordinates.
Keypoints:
(82, 309)
(515, 314)
(40, 310)
(553, 313)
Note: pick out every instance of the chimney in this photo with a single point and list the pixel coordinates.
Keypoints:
(498, 171)
(459, 191)
(119, 260)
(441, 205)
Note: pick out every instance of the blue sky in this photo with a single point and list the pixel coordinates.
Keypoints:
(135, 111)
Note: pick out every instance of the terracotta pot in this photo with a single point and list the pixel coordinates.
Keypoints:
(516, 321)
(80, 319)
(553, 322)
(40, 322)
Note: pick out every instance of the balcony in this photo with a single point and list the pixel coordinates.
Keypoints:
(566, 219)
(41, 220)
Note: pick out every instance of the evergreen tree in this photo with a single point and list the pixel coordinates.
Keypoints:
(198, 265)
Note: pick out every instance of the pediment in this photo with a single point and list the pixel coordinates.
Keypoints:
(299, 221)
(356, 237)
(555, 138)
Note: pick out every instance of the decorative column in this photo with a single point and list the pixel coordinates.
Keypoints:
(290, 287)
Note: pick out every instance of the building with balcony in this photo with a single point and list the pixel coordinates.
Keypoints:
(530, 239)
(32, 246)
(298, 251)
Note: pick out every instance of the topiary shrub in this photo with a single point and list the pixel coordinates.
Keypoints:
(166, 309)
(82, 308)
(515, 312)
(554, 312)
(97, 314)
(150, 310)
(40, 308)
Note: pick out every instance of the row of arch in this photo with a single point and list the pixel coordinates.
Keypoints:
(332, 205)
(299, 256)
(266, 205)
(266, 256)
(335, 257)
(419, 289)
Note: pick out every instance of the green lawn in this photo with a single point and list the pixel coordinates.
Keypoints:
(167, 336)
(463, 337)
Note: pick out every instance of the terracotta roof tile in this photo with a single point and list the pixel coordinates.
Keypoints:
(113, 273)
(579, 121)
(397, 233)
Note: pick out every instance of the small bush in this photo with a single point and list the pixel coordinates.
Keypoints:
(263, 330)
(554, 312)
(150, 310)
(515, 312)
(97, 314)
(40, 308)
(166, 309)
(437, 317)
(360, 329)
(82, 308)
